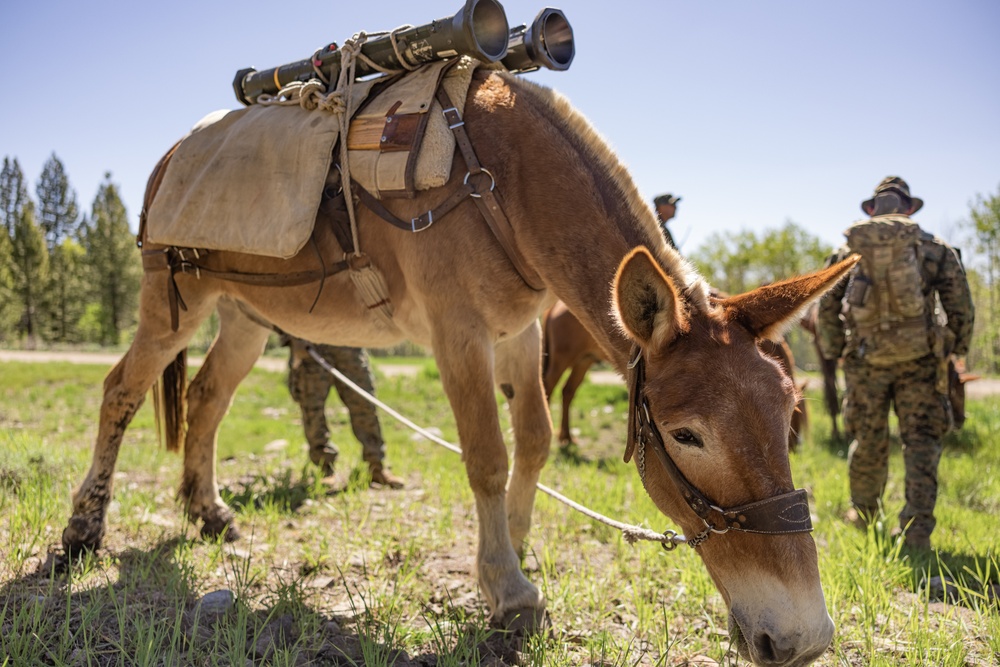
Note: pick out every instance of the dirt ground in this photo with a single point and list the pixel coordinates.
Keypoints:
(976, 389)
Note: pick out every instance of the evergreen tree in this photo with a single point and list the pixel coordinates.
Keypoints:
(8, 315)
(13, 196)
(29, 269)
(57, 210)
(113, 262)
(68, 291)
(58, 216)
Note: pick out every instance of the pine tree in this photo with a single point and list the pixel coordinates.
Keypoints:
(59, 217)
(13, 197)
(57, 210)
(13, 194)
(29, 270)
(113, 262)
(7, 305)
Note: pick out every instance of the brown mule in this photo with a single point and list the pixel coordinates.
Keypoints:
(723, 408)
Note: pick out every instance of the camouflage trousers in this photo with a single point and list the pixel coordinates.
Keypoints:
(310, 385)
(910, 387)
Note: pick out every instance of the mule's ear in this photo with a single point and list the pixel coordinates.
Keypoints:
(771, 310)
(646, 301)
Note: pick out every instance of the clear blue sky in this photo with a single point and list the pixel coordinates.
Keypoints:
(755, 112)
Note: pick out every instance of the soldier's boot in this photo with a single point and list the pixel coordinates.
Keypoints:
(381, 475)
(916, 540)
(325, 456)
(915, 536)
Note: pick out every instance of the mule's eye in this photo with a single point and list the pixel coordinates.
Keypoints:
(686, 437)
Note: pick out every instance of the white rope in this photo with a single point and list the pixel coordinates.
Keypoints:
(630, 533)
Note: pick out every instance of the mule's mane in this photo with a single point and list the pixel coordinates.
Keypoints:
(620, 194)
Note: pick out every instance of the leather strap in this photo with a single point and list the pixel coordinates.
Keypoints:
(174, 260)
(778, 515)
(422, 221)
(487, 199)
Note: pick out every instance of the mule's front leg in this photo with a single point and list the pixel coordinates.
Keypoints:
(518, 372)
(466, 365)
(232, 356)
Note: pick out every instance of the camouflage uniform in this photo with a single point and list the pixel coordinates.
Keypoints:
(309, 384)
(910, 385)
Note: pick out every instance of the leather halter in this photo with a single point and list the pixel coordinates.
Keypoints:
(778, 515)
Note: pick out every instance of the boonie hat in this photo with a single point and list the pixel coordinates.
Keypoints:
(892, 183)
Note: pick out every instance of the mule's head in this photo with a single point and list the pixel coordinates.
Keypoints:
(723, 411)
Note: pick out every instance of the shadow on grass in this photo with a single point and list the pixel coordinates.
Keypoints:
(970, 579)
(145, 605)
(286, 493)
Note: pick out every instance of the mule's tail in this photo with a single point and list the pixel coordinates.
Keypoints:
(169, 402)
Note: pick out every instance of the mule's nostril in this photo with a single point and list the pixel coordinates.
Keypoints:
(765, 648)
(771, 653)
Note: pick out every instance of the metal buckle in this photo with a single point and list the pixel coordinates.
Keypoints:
(413, 222)
(493, 181)
(452, 126)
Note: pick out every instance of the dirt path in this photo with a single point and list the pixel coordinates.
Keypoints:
(275, 364)
(976, 389)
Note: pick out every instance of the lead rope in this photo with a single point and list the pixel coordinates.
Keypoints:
(668, 539)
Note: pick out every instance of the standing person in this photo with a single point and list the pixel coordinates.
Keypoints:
(310, 385)
(666, 208)
(882, 322)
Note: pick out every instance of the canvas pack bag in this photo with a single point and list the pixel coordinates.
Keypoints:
(885, 303)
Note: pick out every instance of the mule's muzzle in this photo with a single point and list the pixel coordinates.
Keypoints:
(770, 647)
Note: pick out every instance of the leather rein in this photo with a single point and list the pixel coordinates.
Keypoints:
(782, 514)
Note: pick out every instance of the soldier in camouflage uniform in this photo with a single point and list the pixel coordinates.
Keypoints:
(666, 209)
(310, 385)
(882, 322)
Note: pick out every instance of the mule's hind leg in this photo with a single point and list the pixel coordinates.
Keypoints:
(465, 359)
(125, 387)
(232, 355)
(518, 376)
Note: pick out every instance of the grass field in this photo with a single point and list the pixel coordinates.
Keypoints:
(380, 577)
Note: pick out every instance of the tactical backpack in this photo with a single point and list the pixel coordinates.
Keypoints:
(887, 309)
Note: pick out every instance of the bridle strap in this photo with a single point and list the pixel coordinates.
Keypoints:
(782, 514)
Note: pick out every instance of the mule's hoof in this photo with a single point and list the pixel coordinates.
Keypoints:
(526, 621)
(83, 534)
(212, 529)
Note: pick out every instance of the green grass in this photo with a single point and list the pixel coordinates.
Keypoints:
(377, 577)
